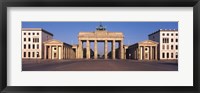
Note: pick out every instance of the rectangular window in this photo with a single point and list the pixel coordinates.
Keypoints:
(176, 34)
(37, 33)
(24, 33)
(29, 39)
(172, 40)
(29, 33)
(33, 46)
(36, 40)
(167, 46)
(176, 55)
(33, 54)
(24, 54)
(29, 46)
(24, 39)
(33, 33)
(172, 47)
(167, 55)
(176, 40)
(172, 34)
(163, 55)
(172, 55)
(37, 46)
(24, 46)
(163, 47)
(29, 54)
(176, 47)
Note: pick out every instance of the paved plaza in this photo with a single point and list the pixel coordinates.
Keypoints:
(98, 65)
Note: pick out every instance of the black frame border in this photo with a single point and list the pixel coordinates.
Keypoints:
(101, 3)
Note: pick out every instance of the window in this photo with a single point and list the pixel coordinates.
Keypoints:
(24, 46)
(163, 47)
(33, 54)
(38, 55)
(176, 40)
(33, 46)
(163, 55)
(172, 55)
(145, 49)
(172, 40)
(176, 34)
(54, 48)
(172, 47)
(167, 34)
(176, 47)
(29, 39)
(29, 46)
(37, 33)
(167, 55)
(176, 55)
(24, 54)
(167, 46)
(29, 33)
(29, 54)
(24, 33)
(33, 33)
(24, 39)
(163, 34)
(172, 34)
(37, 46)
(36, 40)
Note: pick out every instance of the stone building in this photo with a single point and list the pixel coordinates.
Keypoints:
(54, 49)
(145, 50)
(100, 35)
(32, 42)
(168, 43)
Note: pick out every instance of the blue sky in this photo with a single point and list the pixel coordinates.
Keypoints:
(133, 31)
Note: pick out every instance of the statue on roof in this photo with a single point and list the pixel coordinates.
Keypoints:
(101, 27)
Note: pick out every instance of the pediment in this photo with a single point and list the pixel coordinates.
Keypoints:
(53, 41)
(148, 42)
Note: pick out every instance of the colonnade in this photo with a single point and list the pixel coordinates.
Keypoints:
(80, 48)
(151, 53)
(58, 52)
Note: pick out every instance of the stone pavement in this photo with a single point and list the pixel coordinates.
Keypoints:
(98, 65)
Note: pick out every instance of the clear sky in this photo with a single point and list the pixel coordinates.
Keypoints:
(133, 31)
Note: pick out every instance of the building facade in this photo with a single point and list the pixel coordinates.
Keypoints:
(145, 50)
(32, 42)
(168, 43)
(54, 49)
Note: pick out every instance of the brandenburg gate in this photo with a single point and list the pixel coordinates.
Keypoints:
(100, 35)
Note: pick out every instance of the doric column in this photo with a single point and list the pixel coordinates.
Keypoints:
(143, 53)
(95, 49)
(45, 52)
(88, 49)
(113, 49)
(151, 53)
(121, 50)
(57, 52)
(106, 49)
(138, 57)
(80, 49)
(62, 53)
(50, 52)
(156, 52)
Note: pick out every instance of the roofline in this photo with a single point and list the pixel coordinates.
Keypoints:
(163, 30)
(36, 29)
